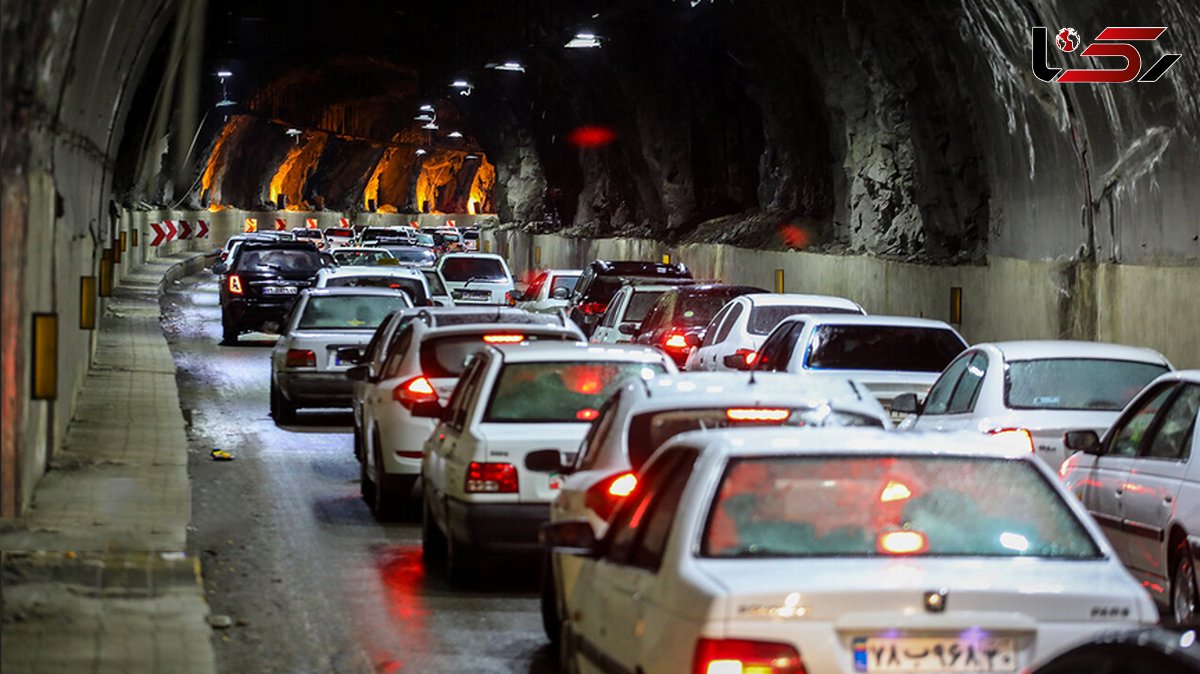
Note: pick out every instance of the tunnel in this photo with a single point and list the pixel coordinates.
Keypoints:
(909, 156)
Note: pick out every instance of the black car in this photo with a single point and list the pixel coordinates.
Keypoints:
(677, 320)
(260, 284)
(601, 279)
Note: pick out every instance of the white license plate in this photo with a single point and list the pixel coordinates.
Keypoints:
(476, 296)
(279, 290)
(934, 654)
(555, 481)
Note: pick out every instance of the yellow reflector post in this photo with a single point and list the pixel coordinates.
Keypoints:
(537, 255)
(778, 280)
(124, 241)
(666, 259)
(133, 236)
(87, 302)
(956, 302)
(45, 357)
(106, 273)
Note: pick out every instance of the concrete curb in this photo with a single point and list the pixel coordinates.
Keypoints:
(186, 268)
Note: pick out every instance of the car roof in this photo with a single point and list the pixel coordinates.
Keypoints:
(538, 352)
(263, 244)
(466, 315)
(703, 389)
(649, 287)
(342, 291)
(850, 442)
(561, 272)
(491, 256)
(1189, 376)
(857, 319)
(713, 289)
(475, 328)
(637, 268)
(378, 270)
(1065, 348)
(790, 299)
(357, 249)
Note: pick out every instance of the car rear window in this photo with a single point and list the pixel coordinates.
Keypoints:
(474, 236)
(1076, 383)
(460, 269)
(639, 304)
(699, 309)
(307, 234)
(414, 255)
(866, 506)
(413, 287)
(339, 231)
(559, 392)
(763, 319)
(563, 281)
(351, 258)
(285, 260)
(883, 347)
(349, 312)
(650, 430)
(447, 356)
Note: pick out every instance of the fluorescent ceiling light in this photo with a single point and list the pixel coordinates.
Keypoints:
(293, 132)
(225, 103)
(420, 152)
(583, 41)
(423, 118)
(426, 108)
(471, 156)
(224, 73)
(454, 134)
(431, 126)
(509, 66)
(460, 84)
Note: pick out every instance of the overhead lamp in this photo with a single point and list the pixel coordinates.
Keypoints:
(454, 134)
(583, 41)
(460, 84)
(225, 103)
(421, 151)
(471, 156)
(426, 108)
(423, 118)
(224, 73)
(293, 132)
(508, 66)
(430, 126)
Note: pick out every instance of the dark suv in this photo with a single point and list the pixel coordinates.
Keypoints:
(677, 321)
(602, 279)
(261, 283)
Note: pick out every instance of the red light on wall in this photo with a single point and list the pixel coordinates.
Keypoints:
(591, 136)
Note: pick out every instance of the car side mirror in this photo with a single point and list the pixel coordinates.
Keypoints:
(906, 403)
(430, 409)
(572, 537)
(1087, 442)
(545, 461)
(512, 297)
(349, 354)
(220, 268)
(630, 329)
(692, 339)
(271, 328)
(327, 260)
(735, 361)
(560, 293)
(358, 373)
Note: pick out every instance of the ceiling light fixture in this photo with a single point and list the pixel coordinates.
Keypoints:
(420, 151)
(454, 134)
(508, 66)
(583, 41)
(224, 73)
(471, 156)
(460, 84)
(225, 103)
(423, 118)
(426, 108)
(431, 126)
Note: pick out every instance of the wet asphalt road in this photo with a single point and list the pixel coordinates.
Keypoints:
(291, 553)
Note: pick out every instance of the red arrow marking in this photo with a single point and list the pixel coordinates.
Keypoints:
(159, 234)
(280, 224)
(185, 230)
(171, 231)
(201, 229)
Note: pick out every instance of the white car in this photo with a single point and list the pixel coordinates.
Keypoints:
(641, 417)
(316, 236)
(476, 278)
(480, 496)
(1035, 389)
(336, 237)
(423, 362)
(357, 256)
(407, 279)
(437, 287)
(1142, 484)
(549, 292)
(310, 359)
(738, 329)
(470, 240)
(890, 354)
(840, 550)
(625, 312)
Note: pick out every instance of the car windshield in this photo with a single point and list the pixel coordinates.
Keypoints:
(412, 287)
(352, 258)
(699, 309)
(650, 430)
(284, 260)
(465, 268)
(559, 392)
(413, 255)
(448, 356)
(883, 347)
(763, 319)
(562, 281)
(867, 506)
(639, 304)
(1076, 383)
(354, 312)
(425, 239)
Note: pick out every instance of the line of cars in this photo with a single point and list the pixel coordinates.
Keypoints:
(715, 520)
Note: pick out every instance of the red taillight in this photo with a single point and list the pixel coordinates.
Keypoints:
(739, 656)
(675, 341)
(504, 339)
(593, 308)
(235, 284)
(413, 391)
(587, 414)
(491, 478)
(757, 414)
(605, 495)
(1020, 435)
(301, 358)
(747, 355)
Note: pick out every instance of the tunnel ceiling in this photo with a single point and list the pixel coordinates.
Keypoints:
(908, 130)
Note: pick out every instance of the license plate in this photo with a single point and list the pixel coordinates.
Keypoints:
(279, 290)
(474, 295)
(555, 481)
(934, 654)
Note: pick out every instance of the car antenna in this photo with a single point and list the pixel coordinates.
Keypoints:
(646, 385)
(752, 369)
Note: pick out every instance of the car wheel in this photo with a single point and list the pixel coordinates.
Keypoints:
(229, 332)
(551, 621)
(365, 486)
(433, 541)
(457, 564)
(568, 662)
(283, 411)
(390, 492)
(1184, 601)
(358, 444)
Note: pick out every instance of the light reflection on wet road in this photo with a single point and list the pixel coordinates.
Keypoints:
(292, 554)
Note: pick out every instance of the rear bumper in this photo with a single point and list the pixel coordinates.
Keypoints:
(498, 528)
(251, 314)
(321, 389)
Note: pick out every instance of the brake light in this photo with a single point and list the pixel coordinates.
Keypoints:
(587, 414)
(413, 391)
(235, 284)
(604, 496)
(301, 358)
(491, 478)
(592, 308)
(757, 414)
(675, 341)
(743, 656)
(1021, 435)
(902, 543)
(504, 339)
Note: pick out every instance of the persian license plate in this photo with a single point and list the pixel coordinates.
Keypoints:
(934, 654)
(555, 481)
(475, 295)
(280, 290)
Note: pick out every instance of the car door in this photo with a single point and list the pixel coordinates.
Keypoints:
(777, 351)
(624, 582)
(1103, 490)
(606, 331)
(951, 406)
(443, 467)
(1153, 484)
(723, 344)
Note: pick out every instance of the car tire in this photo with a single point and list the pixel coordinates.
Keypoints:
(458, 567)
(568, 661)
(358, 444)
(551, 620)
(433, 541)
(282, 411)
(229, 332)
(365, 486)
(1184, 600)
(389, 492)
